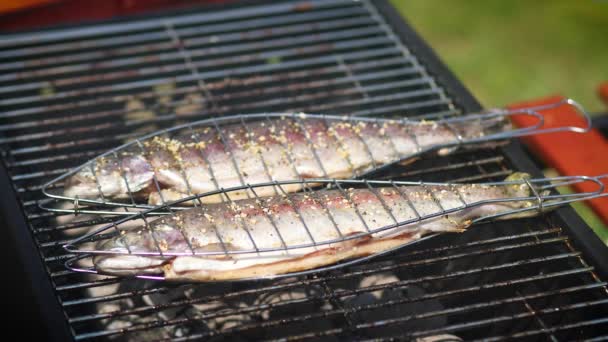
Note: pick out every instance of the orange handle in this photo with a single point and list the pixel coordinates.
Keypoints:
(571, 154)
(15, 5)
(603, 92)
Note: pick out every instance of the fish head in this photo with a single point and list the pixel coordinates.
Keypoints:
(110, 177)
(141, 250)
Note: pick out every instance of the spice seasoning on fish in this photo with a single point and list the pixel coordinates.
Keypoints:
(276, 223)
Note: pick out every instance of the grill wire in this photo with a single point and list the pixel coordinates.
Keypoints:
(68, 96)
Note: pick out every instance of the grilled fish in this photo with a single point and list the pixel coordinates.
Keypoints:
(268, 225)
(163, 169)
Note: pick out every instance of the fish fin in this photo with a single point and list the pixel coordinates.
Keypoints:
(522, 190)
(409, 161)
(460, 228)
(447, 150)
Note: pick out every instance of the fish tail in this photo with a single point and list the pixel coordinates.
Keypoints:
(485, 128)
(522, 190)
(497, 124)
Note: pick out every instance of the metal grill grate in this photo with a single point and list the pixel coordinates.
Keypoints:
(69, 95)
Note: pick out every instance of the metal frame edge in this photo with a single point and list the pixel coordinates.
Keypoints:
(43, 306)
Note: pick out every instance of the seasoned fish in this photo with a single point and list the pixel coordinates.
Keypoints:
(300, 219)
(163, 169)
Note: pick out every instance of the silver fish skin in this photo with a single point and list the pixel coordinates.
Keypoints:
(162, 169)
(296, 220)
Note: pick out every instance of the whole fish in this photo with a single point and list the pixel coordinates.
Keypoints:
(271, 224)
(161, 169)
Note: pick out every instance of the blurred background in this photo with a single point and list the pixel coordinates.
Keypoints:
(509, 51)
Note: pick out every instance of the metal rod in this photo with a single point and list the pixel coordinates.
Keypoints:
(321, 63)
(360, 326)
(80, 61)
(395, 285)
(385, 79)
(142, 65)
(499, 319)
(211, 65)
(272, 13)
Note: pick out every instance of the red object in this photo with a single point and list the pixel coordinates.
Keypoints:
(58, 12)
(603, 92)
(16, 5)
(569, 153)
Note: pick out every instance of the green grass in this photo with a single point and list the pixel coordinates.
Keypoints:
(509, 51)
(512, 51)
(594, 221)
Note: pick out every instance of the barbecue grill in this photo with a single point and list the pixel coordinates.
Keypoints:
(69, 94)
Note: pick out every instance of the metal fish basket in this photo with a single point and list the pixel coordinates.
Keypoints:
(543, 197)
(222, 129)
